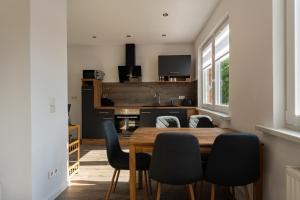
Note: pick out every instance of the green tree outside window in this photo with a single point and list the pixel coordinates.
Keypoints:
(225, 81)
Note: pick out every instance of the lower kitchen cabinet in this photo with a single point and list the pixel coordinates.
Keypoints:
(101, 116)
(148, 116)
(181, 114)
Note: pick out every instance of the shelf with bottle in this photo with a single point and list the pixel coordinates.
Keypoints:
(178, 79)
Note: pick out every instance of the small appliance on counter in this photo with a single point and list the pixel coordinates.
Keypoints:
(93, 74)
(107, 102)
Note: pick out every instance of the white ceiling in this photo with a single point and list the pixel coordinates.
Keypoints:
(112, 20)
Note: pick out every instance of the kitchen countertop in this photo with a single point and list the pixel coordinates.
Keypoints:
(145, 107)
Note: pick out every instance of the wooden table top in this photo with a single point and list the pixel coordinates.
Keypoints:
(146, 136)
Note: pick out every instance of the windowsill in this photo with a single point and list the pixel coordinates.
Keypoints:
(284, 133)
(223, 116)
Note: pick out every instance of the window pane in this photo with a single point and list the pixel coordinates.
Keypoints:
(222, 81)
(207, 56)
(207, 85)
(222, 43)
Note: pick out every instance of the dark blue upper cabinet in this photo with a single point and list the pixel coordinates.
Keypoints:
(174, 65)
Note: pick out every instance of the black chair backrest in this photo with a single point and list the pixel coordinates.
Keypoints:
(234, 160)
(112, 141)
(176, 159)
(204, 122)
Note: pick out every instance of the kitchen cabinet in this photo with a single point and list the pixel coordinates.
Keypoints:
(181, 114)
(148, 116)
(177, 65)
(88, 112)
(102, 115)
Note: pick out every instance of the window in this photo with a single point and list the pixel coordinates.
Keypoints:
(293, 63)
(215, 71)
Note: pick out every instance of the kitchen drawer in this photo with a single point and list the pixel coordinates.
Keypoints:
(101, 116)
(181, 114)
(148, 117)
(105, 114)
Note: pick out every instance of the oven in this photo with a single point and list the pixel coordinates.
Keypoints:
(127, 120)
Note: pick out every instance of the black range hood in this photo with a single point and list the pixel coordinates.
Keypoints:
(130, 54)
(130, 72)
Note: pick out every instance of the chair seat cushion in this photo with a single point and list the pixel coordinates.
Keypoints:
(122, 161)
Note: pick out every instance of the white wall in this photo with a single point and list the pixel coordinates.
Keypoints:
(33, 69)
(255, 74)
(107, 58)
(48, 82)
(15, 152)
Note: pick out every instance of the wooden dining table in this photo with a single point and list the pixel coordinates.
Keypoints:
(142, 141)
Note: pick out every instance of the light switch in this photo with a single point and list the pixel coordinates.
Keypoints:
(52, 106)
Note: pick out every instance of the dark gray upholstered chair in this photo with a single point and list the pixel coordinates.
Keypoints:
(201, 121)
(167, 122)
(233, 161)
(119, 159)
(176, 160)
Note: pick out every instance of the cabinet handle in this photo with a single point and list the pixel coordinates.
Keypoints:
(127, 117)
(103, 112)
(174, 72)
(174, 112)
(107, 118)
(146, 112)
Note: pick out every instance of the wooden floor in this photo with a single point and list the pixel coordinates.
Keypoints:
(95, 174)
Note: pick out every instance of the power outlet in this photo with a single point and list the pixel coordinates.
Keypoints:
(55, 172)
(52, 173)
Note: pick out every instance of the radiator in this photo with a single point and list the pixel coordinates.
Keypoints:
(292, 183)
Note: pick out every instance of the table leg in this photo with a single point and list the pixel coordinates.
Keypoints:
(132, 167)
(258, 185)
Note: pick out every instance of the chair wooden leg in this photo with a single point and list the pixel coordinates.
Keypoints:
(213, 192)
(110, 186)
(145, 185)
(116, 182)
(191, 191)
(247, 195)
(158, 190)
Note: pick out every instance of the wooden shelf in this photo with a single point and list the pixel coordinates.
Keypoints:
(74, 147)
(73, 168)
(97, 89)
(174, 81)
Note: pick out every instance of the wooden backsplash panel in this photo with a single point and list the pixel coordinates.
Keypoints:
(126, 94)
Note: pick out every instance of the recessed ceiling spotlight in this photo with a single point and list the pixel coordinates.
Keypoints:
(164, 35)
(94, 36)
(128, 36)
(165, 14)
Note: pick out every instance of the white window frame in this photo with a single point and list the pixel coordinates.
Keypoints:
(293, 63)
(211, 39)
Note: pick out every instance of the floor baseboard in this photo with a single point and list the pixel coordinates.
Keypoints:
(57, 192)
